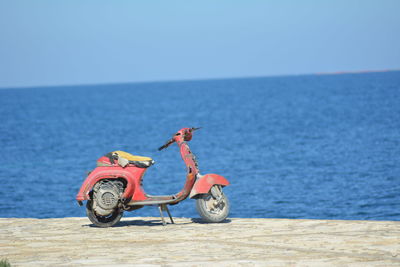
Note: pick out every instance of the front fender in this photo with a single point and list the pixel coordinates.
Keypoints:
(204, 184)
(105, 173)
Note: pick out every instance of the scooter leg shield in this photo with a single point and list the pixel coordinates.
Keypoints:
(204, 184)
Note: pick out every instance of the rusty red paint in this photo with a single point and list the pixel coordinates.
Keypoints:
(133, 176)
(128, 173)
(204, 184)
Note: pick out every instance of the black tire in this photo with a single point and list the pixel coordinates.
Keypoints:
(103, 221)
(210, 209)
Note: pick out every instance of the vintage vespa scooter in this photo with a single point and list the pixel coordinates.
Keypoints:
(115, 186)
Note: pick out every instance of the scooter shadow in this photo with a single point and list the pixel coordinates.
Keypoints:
(127, 223)
(201, 221)
(132, 223)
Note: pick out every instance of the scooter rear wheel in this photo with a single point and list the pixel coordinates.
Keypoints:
(103, 221)
(214, 206)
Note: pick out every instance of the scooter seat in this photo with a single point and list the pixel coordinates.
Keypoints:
(138, 161)
(121, 158)
(131, 157)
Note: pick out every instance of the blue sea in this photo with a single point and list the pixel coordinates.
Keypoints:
(314, 146)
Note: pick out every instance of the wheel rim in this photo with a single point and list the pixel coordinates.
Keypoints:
(102, 218)
(215, 202)
(108, 218)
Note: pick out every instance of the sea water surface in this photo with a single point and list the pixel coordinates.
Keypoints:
(325, 147)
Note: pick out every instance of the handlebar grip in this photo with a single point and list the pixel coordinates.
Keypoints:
(166, 144)
(162, 147)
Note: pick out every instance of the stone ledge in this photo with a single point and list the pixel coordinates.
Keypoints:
(238, 242)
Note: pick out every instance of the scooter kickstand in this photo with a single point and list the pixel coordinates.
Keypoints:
(161, 208)
(162, 215)
(169, 214)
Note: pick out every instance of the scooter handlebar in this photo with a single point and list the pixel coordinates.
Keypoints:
(166, 144)
(170, 141)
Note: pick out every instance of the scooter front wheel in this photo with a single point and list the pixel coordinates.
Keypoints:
(214, 206)
(103, 221)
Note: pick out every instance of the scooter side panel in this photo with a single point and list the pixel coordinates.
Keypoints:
(204, 184)
(110, 172)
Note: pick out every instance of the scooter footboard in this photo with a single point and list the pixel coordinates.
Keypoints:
(204, 184)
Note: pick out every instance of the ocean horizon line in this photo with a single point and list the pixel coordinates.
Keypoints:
(199, 79)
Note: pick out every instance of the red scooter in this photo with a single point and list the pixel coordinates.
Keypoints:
(115, 186)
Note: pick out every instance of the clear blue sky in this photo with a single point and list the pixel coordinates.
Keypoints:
(94, 41)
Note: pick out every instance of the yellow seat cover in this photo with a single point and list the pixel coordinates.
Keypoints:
(131, 157)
